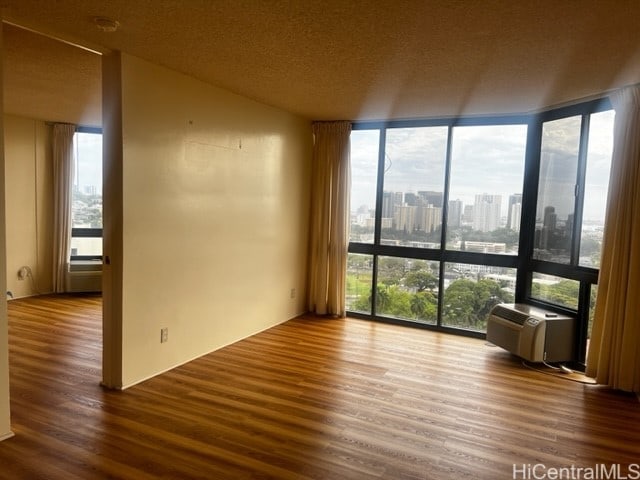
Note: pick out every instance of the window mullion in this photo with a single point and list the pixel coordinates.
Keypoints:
(379, 186)
(579, 190)
(445, 212)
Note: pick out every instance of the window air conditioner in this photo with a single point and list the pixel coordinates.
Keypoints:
(531, 333)
(84, 276)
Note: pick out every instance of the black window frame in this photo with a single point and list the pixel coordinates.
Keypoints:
(586, 276)
(523, 262)
(86, 232)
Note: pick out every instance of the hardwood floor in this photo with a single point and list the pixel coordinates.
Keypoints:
(309, 399)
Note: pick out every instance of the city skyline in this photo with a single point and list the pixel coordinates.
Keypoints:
(485, 159)
(458, 213)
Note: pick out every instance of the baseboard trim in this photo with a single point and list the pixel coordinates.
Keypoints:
(6, 436)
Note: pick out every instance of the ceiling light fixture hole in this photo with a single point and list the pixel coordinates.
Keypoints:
(106, 24)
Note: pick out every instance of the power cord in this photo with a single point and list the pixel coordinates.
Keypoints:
(561, 368)
(556, 373)
(26, 272)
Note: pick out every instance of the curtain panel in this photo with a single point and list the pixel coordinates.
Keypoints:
(329, 218)
(63, 171)
(613, 358)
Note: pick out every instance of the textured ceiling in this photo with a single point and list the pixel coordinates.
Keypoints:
(333, 59)
(50, 80)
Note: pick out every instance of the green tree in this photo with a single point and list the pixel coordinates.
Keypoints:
(468, 303)
(424, 306)
(564, 293)
(488, 293)
(393, 301)
(363, 304)
(418, 265)
(391, 270)
(421, 280)
(459, 302)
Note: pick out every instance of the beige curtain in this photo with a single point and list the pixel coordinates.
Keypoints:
(614, 351)
(63, 162)
(329, 220)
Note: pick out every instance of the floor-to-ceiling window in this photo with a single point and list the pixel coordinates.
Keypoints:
(450, 217)
(571, 159)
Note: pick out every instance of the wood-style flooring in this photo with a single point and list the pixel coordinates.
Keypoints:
(309, 399)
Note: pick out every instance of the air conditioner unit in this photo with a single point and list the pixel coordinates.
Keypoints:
(532, 333)
(84, 276)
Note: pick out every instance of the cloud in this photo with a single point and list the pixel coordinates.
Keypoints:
(485, 159)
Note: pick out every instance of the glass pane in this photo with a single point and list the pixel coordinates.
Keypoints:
(485, 198)
(471, 291)
(557, 290)
(364, 172)
(87, 185)
(596, 187)
(413, 186)
(556, 189)
(89, 246)
(359, 281)
(407, 289)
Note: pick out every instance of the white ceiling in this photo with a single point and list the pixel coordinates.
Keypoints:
(331, 59)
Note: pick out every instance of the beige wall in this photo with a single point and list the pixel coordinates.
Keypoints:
(215, 202)
(25, 225)
(29, 204)
(5, 424)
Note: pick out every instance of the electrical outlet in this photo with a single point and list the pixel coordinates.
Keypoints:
(292, 294)
(164, 335)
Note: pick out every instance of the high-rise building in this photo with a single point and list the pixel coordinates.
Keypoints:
(545, 236)
(404, 218)
(467, 214)
(455, 213)
(514, 199)
(428, 218)
(387, 205)
(411, 199)
(486, 212)
(515, 211)
(431, 198)
(389, 201)
(550, 218)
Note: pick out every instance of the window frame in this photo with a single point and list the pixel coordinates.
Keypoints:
(586, 276)
(441, 254)
(523, 262)
(86, 232)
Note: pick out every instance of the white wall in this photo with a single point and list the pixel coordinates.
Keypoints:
(215, 203)
(29, 200)
(5, 424)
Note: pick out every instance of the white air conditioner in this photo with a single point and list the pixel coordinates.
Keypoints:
(532, 333)
(84, 276)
